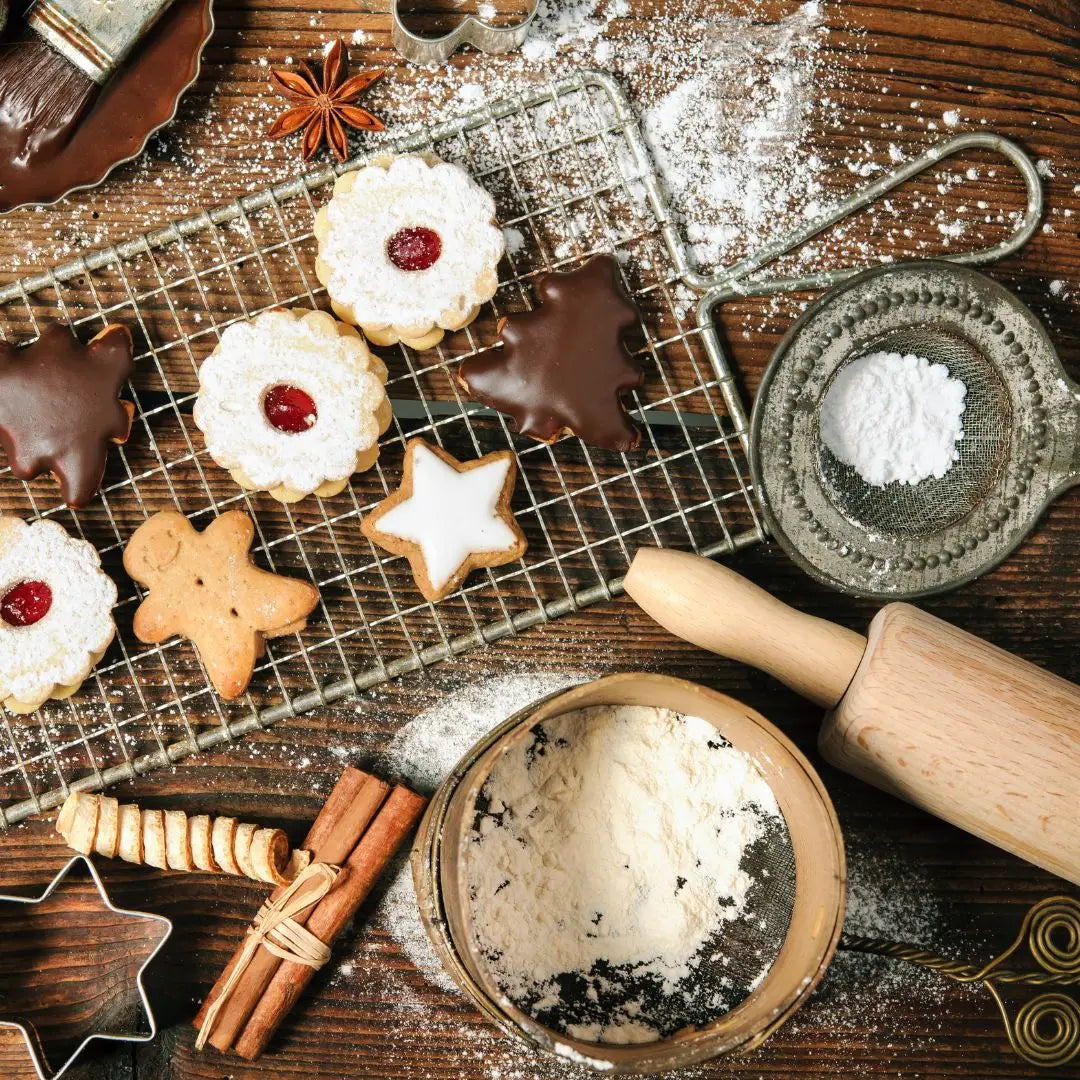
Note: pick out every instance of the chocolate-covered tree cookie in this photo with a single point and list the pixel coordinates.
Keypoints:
(60, 407)
(565, 366)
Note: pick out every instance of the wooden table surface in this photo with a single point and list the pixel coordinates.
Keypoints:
(1011, 64)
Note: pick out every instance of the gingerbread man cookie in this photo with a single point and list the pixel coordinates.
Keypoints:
(449, 517)
(292, 403)
(55, 612)
(60, 407)
(408, 249)
(564, 366)
(204, 586)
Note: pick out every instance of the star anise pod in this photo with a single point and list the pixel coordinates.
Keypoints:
(323, 108)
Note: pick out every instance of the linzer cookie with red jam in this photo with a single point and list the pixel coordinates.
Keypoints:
(292, 403)
(449, 517)
(60, 407)
(408, 249)
(564, 367)
(55, 613)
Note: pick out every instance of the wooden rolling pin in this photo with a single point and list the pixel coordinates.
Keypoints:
(918, 708)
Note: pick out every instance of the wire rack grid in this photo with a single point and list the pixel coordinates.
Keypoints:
(571, 177)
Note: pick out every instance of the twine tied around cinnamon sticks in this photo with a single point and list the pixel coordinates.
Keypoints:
(275, 930)
(363, 823)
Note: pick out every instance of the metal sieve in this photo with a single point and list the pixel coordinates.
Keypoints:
(1020, 423)
(1019, 448)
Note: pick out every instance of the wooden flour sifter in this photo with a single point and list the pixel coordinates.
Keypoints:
(918, 708)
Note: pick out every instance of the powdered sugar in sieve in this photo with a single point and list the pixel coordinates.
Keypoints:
(894, 418)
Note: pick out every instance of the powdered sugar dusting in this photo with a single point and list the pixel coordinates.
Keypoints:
(373, 204)
(735, 98)
(737, 168)
(294, 348)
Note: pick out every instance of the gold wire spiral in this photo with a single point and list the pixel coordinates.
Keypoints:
(1054, 936)
(1046, 1029)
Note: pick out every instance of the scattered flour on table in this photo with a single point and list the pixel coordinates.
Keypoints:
(894, 418)
(726, 94)
(422, 753)
(610, 852)
(888, 896)
(738, 101)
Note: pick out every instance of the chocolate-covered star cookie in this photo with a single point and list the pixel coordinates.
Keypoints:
(60, 407)
(565, 365)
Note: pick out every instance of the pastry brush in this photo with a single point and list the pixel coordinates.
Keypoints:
(48, 80)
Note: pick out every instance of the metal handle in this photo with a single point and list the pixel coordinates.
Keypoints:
(1044, 1031)
(728, 282)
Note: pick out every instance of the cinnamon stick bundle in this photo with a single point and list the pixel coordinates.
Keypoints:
(343, 819)
(361, 827)
(391, 827)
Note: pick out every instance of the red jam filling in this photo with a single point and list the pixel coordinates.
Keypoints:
(26, 603)
(414, 249)
(289, 409)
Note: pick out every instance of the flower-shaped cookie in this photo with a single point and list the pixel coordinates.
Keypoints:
(408, 248)
(293, 403)
(55, 612)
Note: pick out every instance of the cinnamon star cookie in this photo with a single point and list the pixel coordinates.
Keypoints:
(449, 517)
(60, 407)
(204, 586)
(564, 366)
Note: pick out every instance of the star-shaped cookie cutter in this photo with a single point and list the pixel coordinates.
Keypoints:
(470, 31)
(27, 1028)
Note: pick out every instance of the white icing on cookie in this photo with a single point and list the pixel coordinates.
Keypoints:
(304, 349)
(372, 205)
(451, 515)
(60, 648)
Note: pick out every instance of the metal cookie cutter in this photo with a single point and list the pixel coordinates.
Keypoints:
(471, 31)
(28, 961)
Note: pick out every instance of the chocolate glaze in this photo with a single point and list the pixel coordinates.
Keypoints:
(60, 407)
(565, 364)
(42, 99)
(139, 98)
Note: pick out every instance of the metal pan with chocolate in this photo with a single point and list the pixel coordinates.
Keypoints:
(141, 98)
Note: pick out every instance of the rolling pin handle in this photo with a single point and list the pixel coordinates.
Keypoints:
(717, 609)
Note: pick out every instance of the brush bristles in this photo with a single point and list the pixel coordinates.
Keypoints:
(42, 97)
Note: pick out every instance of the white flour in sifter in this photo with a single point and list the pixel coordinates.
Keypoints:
(610, 850)
(894, 418)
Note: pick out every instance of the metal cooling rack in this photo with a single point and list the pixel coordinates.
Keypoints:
(571, 177)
